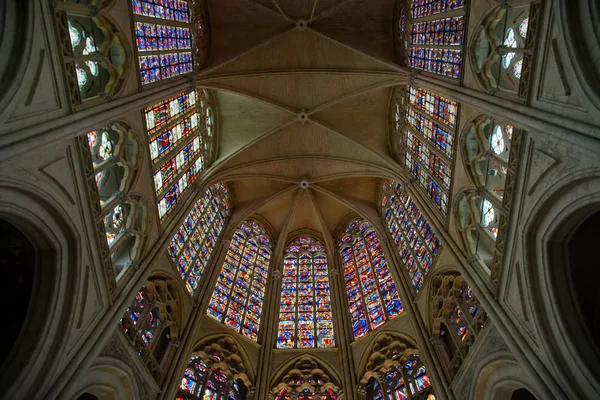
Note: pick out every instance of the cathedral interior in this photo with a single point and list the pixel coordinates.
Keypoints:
(300, 199)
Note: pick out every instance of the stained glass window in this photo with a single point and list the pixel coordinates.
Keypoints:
(305, 319)
(407, 381)
(171, 45)
(179, 142)
(113, 157)
(148, 322)
(438, 61)
(89, 43)
(500, 49)
(446, 34)
(203, 380)
(439, 32)
(437, 107)
(307, 394)
(174, 10)
(305, 379)
(371, 291)
(523, 28)
(518, 68)
(458, 315)
(427, 141)
(423, 8)
(194, 241)
(415, 240)
(238, 296)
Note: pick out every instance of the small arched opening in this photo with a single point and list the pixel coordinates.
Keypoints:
(522, 394)
(17, 258)
(584, 272)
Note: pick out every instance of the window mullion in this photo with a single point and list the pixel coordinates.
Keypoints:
(375, 277)
(428, 143)
(202, 238)
(250, 282)
(314, 296)
(418, 231)
(410, 249)
(360, 285)
(237, 270)
(297, 322)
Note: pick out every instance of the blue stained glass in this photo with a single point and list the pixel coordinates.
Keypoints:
(367, 279)
(238, 295)
(305, 310)
(195, 240)
(411, 233)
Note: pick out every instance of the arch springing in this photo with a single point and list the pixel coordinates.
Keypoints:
(238, 295)
(305, 319)
(416, 242)
(193, 243)
(371, 291)
(457, 319)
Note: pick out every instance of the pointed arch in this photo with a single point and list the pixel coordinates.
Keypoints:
(306, 375)
(237, 299)
(217, 367)
(305, 319)
(392, 365)
(372, 295)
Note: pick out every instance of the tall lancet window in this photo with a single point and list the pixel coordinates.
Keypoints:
(179, 138)
(436, 42)
(372, 294)
(163, 31)
(424, 127)
(195, 240)
(415, 240)
(238, 296)
(305, 319)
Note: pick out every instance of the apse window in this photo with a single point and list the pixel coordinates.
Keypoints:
(305, 319)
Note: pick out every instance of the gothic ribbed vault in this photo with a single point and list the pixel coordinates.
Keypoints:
(302, 97)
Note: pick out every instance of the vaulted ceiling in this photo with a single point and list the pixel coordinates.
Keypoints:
(302, 90)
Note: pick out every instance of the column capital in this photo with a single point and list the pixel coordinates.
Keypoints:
(277, 275)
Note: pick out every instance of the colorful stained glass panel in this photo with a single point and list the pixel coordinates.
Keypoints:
(238, 296)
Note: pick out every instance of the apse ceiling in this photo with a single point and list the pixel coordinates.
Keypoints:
(302, 89)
